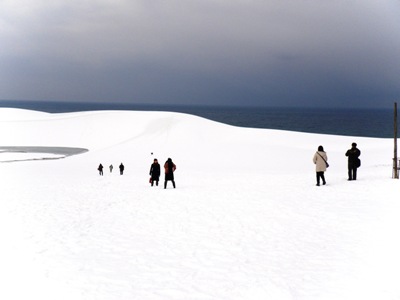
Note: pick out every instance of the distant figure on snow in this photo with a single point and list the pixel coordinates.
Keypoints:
(100, 169)
(111, 168)
(155, 172)
(354, 162)
(121, 169)
(320, 160)
(169, 168)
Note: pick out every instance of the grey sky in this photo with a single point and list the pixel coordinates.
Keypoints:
(269, 52)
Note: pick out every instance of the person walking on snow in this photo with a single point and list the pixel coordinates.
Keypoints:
(320, 160)
(121, 169)
(111, 168)
(354, 162)
(169, 168)
(155, 172)
(100, 169)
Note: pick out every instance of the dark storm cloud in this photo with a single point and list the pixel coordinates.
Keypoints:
(286, 52)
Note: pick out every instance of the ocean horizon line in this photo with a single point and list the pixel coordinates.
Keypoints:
(363, 122)
(117, 104)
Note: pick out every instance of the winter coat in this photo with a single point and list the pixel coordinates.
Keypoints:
(169, 168)
(320, 165)
(353, 154)
(155, 171)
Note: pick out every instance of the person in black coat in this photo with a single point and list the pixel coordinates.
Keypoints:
(100, 169)
(354, 162)
(155, 172)
(121, 169)
(169, 168)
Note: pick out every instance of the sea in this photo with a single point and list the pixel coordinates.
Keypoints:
(336, 121)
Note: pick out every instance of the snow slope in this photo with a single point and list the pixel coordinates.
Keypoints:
(246, 220)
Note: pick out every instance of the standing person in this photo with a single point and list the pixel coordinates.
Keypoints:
(111, 168)
(354, 162)
(320, 160)
(100, 169)
(169, 168)
(121, 169)
(155, 172)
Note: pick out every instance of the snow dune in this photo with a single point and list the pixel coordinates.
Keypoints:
(246, 220)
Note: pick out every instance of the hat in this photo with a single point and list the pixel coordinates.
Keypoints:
(354, 144)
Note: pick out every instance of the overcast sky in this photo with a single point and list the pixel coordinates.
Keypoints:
(238, 52)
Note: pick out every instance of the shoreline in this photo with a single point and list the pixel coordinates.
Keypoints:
(62, 151)
(334, 121)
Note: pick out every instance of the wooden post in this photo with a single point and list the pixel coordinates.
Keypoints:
(395, 161)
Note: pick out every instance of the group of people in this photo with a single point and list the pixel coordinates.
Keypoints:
(111, 167)
(155, 172)
(320, 160)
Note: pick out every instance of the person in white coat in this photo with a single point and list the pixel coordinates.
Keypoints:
(320, 160)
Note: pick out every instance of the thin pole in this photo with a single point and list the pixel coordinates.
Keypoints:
(395, 167)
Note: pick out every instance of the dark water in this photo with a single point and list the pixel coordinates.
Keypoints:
(352, 122)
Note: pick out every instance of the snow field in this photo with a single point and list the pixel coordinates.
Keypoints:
(246, 220)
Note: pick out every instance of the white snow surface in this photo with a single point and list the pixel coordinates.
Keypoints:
(246, 220)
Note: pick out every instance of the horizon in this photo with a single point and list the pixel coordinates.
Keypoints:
(217, 105)
(361, 121)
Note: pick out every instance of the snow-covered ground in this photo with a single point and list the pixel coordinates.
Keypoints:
(246, 220)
